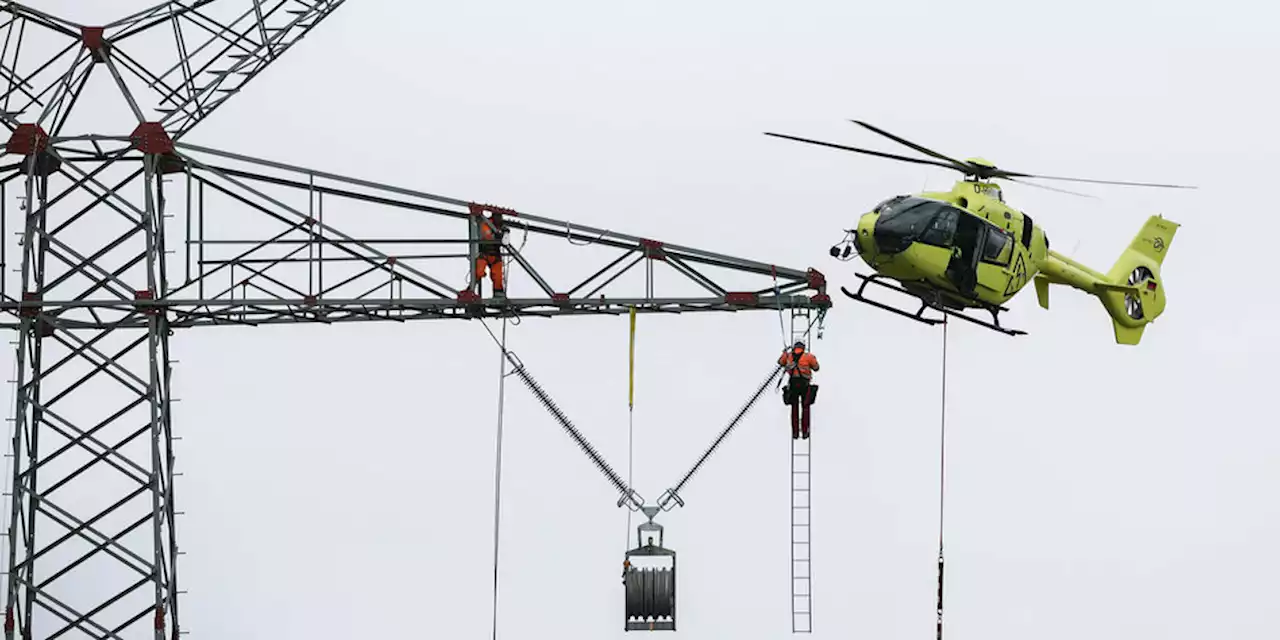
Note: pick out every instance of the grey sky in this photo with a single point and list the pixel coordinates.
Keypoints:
(1094, 490)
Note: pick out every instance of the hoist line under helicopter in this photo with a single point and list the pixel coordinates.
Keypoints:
(942, 473)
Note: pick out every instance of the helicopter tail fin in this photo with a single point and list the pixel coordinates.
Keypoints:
(1133, 292)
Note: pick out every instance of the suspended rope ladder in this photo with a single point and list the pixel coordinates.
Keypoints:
(801, 508)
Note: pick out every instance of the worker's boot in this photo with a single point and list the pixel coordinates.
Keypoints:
(804, 424)
(795, 421)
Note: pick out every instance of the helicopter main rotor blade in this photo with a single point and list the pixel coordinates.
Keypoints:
(957, 164)
(1041, 186)
(1013, 174)
(993, 172)
(968, 168)
(866, 151)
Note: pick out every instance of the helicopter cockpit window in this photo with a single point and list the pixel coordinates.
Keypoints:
(903, 222)
(999, 248)
(884, 205)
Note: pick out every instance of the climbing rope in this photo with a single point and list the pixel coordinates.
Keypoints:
(777, 298)
(630, 431)
(497, 471)
(942, 472)
(497, 466)
(631, 406)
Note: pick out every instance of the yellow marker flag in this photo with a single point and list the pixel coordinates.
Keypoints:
(631, 390)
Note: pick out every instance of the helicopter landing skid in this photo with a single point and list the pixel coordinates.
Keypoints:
(918, 316)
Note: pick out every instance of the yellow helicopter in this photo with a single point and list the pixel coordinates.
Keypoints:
(966, 249)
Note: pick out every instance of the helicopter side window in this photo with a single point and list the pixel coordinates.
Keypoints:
(942, 232)
(998, 248)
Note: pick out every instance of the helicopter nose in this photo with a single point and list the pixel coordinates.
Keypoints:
(864, 241)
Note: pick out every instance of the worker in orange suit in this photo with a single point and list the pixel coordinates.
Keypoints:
(799, 392)
(490, 254)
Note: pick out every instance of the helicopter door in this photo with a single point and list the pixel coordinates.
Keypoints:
(998, 271)
(969, 240)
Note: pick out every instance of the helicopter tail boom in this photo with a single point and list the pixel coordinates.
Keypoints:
(1132, 292)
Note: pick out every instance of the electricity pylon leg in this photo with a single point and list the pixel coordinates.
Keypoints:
(91, 519)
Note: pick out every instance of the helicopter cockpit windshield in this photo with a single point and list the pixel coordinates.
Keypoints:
(905, 220)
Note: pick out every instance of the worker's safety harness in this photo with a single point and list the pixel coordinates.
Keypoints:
(493, 246)
(806, 386)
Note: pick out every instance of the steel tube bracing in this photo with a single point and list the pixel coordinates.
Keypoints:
(126, 234)
(278, 277)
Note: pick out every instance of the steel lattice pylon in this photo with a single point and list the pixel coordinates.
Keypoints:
(104, 283)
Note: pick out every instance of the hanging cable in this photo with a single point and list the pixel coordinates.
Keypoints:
(942, 472)
(777, 298)
(497, 465)
(631, 406)
(497, 472)
(782, 325)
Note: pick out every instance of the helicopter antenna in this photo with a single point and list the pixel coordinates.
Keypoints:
(976, 169)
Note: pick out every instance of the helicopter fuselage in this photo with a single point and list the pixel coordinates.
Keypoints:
(964, 246)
